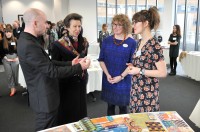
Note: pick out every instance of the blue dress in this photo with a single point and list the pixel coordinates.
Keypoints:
(115, 58)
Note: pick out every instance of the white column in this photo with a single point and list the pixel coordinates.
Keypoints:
(167, 19)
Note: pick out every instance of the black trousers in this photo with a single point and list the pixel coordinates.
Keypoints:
(111, 109)
(173, 63)
(45, 120)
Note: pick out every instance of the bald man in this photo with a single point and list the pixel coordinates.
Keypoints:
(41, 74)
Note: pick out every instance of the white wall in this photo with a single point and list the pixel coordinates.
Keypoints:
(55, 10)
(12, 8)
(60, 9)
(86, 8)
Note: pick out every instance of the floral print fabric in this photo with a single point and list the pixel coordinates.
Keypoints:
(144, 95)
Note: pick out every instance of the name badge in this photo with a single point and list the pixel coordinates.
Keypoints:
(13, 43)
(125, 45)
(138, 53)
(174, 38)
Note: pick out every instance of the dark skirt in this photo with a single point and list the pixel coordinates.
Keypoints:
(174, 51)
(72, 100)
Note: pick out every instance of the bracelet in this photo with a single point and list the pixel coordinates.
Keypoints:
(142, 70)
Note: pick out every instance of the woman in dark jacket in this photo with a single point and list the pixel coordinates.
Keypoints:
(174, 41)
(73, 89)
(103, 34)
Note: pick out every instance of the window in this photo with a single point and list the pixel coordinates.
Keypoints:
(180, 18)
(141, 5)
(199, 40)
(106, 9)
(111, 5)
(131, 8)
(151, 3)
(191, 24)
(160, 6)
(121, 6)
(101, 9)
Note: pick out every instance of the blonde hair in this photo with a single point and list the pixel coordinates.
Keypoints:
(124, 20)
(103, 26)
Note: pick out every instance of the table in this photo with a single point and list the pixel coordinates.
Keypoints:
(165, 47)
(194, 117)
(164, 120)
(94, 48)
(190, 63)
(166, 54)
(94, 72)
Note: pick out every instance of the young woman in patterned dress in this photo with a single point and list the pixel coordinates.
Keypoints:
(148, 63)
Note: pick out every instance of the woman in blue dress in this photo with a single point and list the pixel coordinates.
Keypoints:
(116, 51)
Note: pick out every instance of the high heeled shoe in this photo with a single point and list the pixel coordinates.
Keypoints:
(13, 92)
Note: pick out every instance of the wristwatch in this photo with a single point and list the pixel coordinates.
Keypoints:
(142, 70)
(122, 77)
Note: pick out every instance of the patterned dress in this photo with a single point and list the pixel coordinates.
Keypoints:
(115, 58)
(144, 96)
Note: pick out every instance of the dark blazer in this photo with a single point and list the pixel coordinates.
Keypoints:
(41, 74)
(17, 32)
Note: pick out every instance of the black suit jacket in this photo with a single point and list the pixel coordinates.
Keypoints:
(41, 74)
(17, 32)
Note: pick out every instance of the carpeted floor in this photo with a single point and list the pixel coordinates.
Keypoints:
(176, 94)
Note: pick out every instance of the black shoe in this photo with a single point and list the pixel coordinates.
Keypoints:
(174, 72)
(171, 72)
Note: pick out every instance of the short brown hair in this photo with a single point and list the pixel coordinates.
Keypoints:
(8, 28)
(72, 16)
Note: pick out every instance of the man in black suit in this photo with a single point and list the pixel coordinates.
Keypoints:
(40, 72)
(17, 29)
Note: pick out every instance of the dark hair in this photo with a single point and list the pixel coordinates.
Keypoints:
(53, 24)
(104, 25)
(6, 40)
(151, 15)
(72, 16)
(9, 26)
(48, 22)
(178, 30)
(8, 29)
